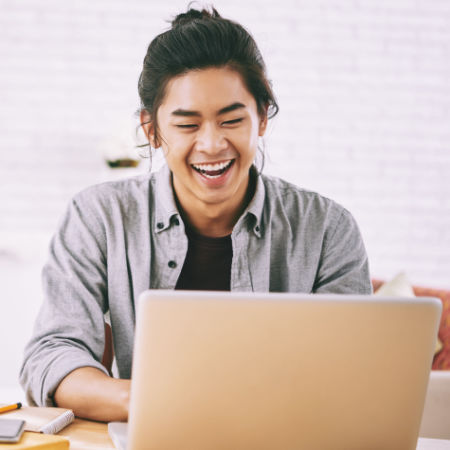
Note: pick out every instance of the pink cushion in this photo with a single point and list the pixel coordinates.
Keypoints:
(441, 360)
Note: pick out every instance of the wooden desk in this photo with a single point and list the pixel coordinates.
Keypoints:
(84, 434)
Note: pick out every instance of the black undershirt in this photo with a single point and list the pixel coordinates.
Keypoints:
(208, 263)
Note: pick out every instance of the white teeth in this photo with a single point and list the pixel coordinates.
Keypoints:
(211, 167)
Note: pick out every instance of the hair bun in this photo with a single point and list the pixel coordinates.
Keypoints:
(194, 14)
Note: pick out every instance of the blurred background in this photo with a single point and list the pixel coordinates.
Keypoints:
(364, 94)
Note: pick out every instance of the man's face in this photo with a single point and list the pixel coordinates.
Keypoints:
(208, 127)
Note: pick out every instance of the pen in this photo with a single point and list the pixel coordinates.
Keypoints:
(10, 407)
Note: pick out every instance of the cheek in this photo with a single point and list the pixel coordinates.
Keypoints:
(247, 139)
(176, 148)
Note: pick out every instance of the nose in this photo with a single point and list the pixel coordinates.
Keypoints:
(210, 139)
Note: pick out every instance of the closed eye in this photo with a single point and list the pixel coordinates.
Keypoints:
(234, 121)
(187, 125)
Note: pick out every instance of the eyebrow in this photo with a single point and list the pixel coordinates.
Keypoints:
(226, 109)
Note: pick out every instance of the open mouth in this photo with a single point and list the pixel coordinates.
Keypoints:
(213, 170)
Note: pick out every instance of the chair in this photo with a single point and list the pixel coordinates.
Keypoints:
(108, 353)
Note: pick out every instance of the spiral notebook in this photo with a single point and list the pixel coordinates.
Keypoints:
(42, 420)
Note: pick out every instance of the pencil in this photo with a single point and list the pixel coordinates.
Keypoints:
(10, 407)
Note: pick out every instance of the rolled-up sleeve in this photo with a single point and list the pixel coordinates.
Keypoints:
(69, 329)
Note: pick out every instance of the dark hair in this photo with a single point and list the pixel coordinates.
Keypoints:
(198, 40)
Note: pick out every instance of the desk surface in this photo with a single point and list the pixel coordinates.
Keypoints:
(86, 434)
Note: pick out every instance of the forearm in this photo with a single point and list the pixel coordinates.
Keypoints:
(92, 394)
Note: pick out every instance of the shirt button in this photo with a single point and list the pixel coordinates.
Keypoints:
(176, 221)
(172, 264)
(159, 225)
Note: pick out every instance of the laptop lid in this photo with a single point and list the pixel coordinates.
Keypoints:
(279, 371)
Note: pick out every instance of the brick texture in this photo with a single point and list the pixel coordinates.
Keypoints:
(363, 90)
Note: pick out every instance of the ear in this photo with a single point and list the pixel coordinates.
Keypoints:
(148, 126)
(263, 123)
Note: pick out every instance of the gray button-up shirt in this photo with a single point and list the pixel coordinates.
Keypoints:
(120, 238)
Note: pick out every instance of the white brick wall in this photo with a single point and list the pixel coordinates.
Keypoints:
(363, 87)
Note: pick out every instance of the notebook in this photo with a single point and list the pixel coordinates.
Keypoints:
(278, 371)
(42, 420)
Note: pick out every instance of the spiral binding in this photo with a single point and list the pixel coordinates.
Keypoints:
(59, 423)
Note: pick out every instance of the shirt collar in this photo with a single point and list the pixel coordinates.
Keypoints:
(166, 207)
(256, 206)
(165, 204)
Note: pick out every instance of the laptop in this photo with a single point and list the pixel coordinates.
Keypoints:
(222, 370)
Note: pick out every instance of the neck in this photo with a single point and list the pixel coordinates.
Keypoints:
(209, 228)
(216, 220)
